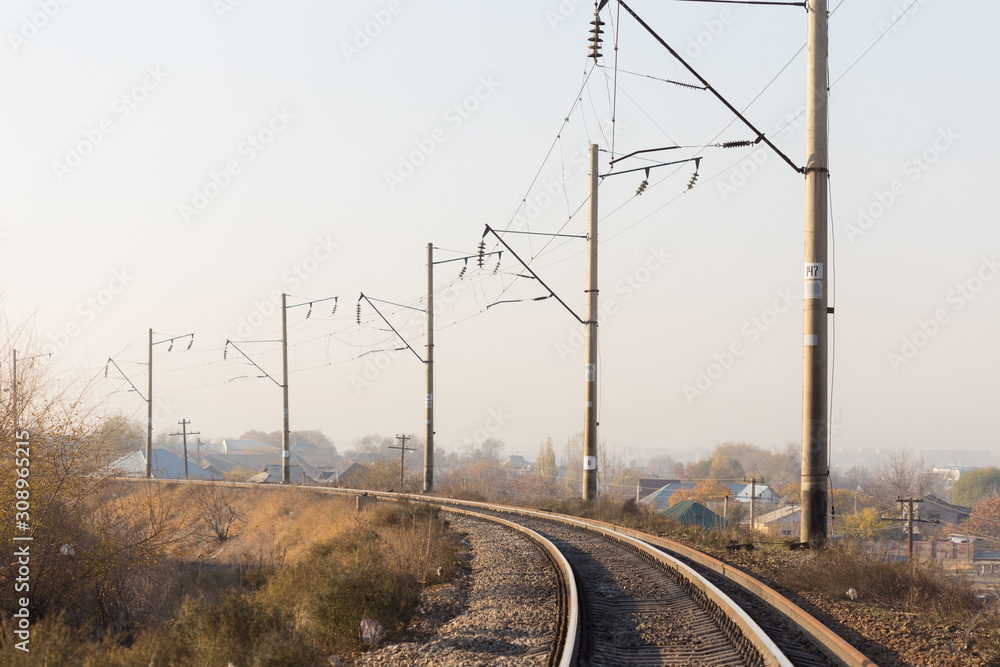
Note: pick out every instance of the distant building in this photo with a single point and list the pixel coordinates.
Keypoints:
(352, 476)
(954, 473)
(935, 508)
(243, 446)
(783, 522)
(648, 485)
(660, 499)
(691, 513)
(763, 493)
(165, 465)
(518, 462)
(272, 475)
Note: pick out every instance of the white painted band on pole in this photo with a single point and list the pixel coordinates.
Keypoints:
(590, 372)
(590, 463)
(814, 289)
(588, 404)
(811, 340)
(286, 454)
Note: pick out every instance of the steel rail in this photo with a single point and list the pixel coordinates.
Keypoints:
(567, 639)
(835, 647)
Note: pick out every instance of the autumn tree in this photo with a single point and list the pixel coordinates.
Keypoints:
(706, 491)
(984, 521)
(972, 487)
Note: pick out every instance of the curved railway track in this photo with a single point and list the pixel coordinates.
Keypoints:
(628, 598)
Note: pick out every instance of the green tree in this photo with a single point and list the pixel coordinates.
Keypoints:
(545, 464)
(973, 487)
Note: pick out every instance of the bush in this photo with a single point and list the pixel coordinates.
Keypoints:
(236, 630)
(898, 585)
(374, 570)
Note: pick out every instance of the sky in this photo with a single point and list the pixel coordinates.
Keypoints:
(177, 166)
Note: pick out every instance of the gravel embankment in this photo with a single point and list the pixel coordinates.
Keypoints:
(502, 611)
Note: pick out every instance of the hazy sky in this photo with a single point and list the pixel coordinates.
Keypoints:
(176, 165)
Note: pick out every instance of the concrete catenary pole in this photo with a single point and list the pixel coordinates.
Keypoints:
(815, 463)
(429, 370)
(590, 372)
(149, 410)
(285, 453)
(13, 394)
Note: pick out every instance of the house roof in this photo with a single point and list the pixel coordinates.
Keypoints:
(788, 511)
(691, 513)
(931, 499)
(661, 497)
(517, 462)
(237, 446)
(165, 465)
(648, 485)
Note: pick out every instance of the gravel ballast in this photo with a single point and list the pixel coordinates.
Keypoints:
(500, 611)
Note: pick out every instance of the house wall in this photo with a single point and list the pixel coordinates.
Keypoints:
(944, 551)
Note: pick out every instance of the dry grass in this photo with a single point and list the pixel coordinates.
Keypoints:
(290, 585)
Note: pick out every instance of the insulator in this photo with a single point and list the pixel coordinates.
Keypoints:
(225, 351)
(310, 311)
(642, 187)
(461, 274)
(736, 144)
(479, 257)
(694, 179)
(106, 370)
(191, 343)
(496, 268)
(171, 346)
(334, 307)
(595, 36)
(359, 313)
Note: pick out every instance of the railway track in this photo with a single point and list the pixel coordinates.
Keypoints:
(627, 598)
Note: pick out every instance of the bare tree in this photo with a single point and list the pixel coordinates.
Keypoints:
(216, 511)
(900, 475)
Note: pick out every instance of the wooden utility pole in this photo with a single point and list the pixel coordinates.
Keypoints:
(429, 377)
(184, 434)
(815, 409)
(590, 371)
(910, 520)
(402, 456)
